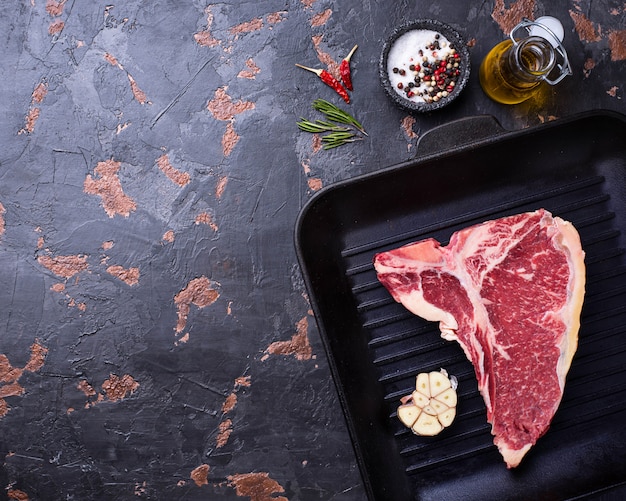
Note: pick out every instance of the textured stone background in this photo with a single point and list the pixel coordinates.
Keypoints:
(156, 337)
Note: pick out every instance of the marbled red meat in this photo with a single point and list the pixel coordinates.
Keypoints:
(510, 291)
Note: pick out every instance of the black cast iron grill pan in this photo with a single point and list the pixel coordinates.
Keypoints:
(575, 168)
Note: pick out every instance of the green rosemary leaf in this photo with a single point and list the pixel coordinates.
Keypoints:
(336, 114)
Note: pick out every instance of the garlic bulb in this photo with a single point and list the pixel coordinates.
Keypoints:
(432, 406)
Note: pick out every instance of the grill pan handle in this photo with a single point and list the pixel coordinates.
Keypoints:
(458, 133)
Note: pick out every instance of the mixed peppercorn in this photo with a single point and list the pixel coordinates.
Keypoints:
(432, 73)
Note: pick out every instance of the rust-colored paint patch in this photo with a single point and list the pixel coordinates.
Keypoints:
(56, 27)
(243, 381)
(138, 94)
(298, 346)
(225, 429)
(86, 388)
(200, 475)
(9, 375)
(200, 292)
(251, 72)
(229, 139)
(17, 495)
(612, 91)
(584, 27)
(307, 3)
(321, 18)
(206, 218)
(508, 18)
(314, 183)
(40, 93)
(169, 236)
(407, 126)
(229, 403)
(257, 486)
(55, 8)
(223, 108)
(173, 174)
(221, 186)
(589, 65)
(324, 57)
(2, 223)
(617, 44)
(205, 38)
(64, 266)
(316, 143)
(247, 27)
(108, 245)
(59, 287)
(276, 17)
(130, 276)
(117, 388)
(108, 187)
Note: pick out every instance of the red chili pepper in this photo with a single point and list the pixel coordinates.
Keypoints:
(329, 80)
(344, 69)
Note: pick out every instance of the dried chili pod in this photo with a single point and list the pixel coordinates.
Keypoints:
(344, 69)
(329, 80)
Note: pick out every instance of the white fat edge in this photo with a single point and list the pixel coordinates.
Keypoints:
(568, 240)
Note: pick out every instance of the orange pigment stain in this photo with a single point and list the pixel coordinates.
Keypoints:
(321, 19)
(173, 174)
(251, 71)
(107, 185)
(37, 97)
(17, 495)
(617, 44)
(169, 236)
(205, 38)
(508, 18)
(200, 292)
(221, 186)
(247, 27)
(224, 109)
(200, 475)
(324, 57)
(225, 429)
(54, 8)
(256, 486)
(2, 223)
(297, 346)
(117, 388)
(56, 27)
(64, 266)
(314, 183)
(207, 219)
(138, 94)
(10, 376)
(585, 29)
(407, 126)
(129, 276)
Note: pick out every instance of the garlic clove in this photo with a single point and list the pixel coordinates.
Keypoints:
(422, 383)
(446, 417)
(438, 382)
(427, 425)
(408, 414)
(448, 397)
(420, 399)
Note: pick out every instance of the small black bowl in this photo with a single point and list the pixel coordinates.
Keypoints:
(453, 37)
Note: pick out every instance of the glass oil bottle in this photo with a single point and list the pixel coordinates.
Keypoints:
(516, 69)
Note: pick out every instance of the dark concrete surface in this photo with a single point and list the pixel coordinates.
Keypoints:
(156, 336)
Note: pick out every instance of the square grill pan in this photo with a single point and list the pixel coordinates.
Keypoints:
(575, 168)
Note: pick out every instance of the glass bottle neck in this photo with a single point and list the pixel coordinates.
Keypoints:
(532, 59)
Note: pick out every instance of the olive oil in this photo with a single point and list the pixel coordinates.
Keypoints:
(514, 72)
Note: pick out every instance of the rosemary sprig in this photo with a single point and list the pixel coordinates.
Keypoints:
(337, 134)
(336, 114)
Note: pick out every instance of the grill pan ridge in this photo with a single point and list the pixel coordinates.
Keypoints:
(575, 168)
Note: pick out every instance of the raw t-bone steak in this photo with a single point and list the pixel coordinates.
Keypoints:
(510, 291)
